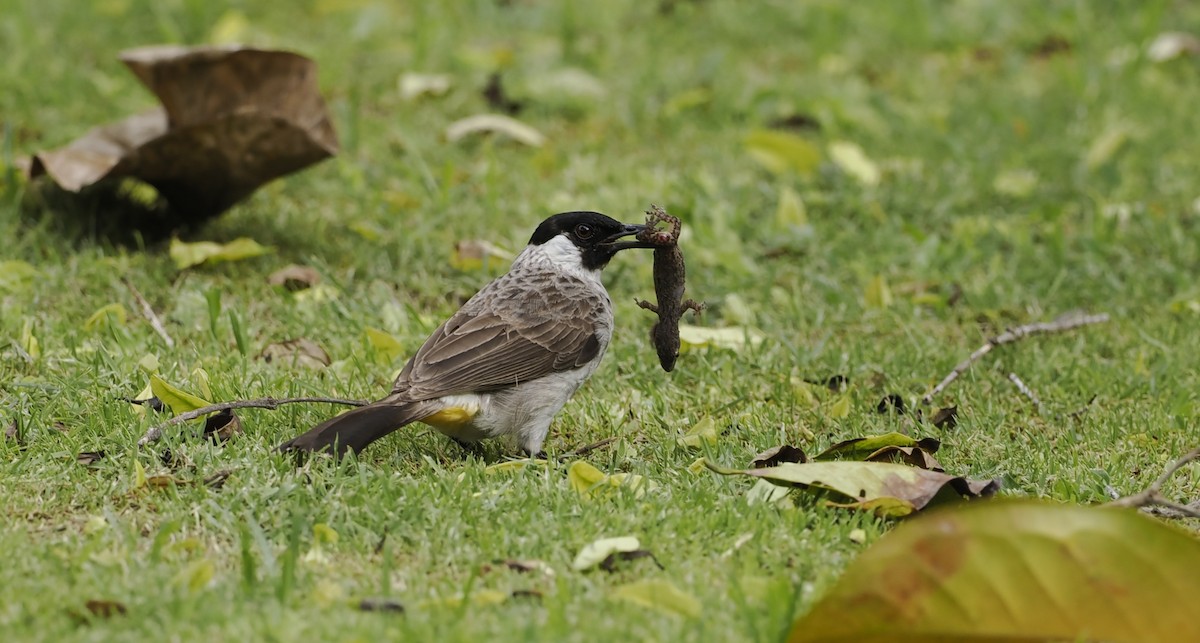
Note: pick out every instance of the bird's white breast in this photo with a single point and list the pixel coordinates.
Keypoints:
(560, 255)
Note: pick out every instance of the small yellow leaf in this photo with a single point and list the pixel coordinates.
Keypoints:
(781, 152)
(148, 364)
(231, 27)
(658, 594)
(29, 342)
(697, 466)
(326, 593)
(178, 401)
(594, 553)
(703, 432)
(1106, 146)
(15, 273)
(495, 124)
(514, 465)
(591, 482)
(200, 377)
(323, 533)
(387, 348)
(106, 317)
(196, 575)
(139, 475)
(791, 210)
(1015, 183)
(857, 536)
(686, 100)
(732, 338)
(853, 161)
(186, 255)
(840, 407)
(878, 293)
(95, 525)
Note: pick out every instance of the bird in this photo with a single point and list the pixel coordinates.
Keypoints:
(512, 356)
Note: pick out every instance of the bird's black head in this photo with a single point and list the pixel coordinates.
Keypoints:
(596, 235)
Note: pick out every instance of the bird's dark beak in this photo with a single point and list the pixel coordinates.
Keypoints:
(613, 244)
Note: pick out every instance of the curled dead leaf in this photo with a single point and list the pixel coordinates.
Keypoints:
(945, 418)
(778, 455)
(231, 119)
(381, 605)
(87, 458)
(222, 425)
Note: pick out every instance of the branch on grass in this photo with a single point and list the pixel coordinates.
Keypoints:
(154, 433)
(1152, 496)
(1027, 392)
(149, 314)
(588, 448)
(1063, 323)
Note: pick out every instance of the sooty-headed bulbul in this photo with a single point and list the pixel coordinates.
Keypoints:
(511, 357)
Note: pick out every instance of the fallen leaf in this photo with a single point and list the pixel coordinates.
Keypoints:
(595, 552)
(854, 161)
(840, 408)
(734, 338)
(877, 293)
(1016, 570)
(381, 605)
(185, 255)
(945, 418)
(891, 403)
(782, 152)
(497, 98)
(703, 432)
(29, 342)
(660, 595)
(178, 400)
(231, 119)
(527, 593)
(515, 465)
(591, 482)
(1015, 183)
(87, 458)
(295, 277)
(15, 274)
(610, 562)
(495, 124)
(387, 348)
(791, 210)
(1051, 45)
(106, 317)
(890, 490)
(299, 351)
(781, 454)
(1105, 147)
(222, 425)
(414, 85)
(861, 448)
(105, 608)
(526, 566)
(912, 456)
(196, 575)
(1172, 44)
(857, 536)
(763, 492)
(476, 254)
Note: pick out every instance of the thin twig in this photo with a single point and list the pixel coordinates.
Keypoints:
(1063, 323)
(1152, 496)
(149, 314)
(1027, 392)
(153, 434)
(588, 448)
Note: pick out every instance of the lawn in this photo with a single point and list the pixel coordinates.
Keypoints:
(982, 165)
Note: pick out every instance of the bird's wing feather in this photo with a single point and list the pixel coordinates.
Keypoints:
(493, 341)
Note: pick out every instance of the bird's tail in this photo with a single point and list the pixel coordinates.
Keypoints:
(355, 429)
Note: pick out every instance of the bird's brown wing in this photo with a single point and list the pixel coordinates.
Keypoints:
(505, 336)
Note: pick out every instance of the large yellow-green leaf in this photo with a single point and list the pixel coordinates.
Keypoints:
(885, 488)
(179, 401)
(1016, 570)
(782, 152)
(861, 448)
(186, 255)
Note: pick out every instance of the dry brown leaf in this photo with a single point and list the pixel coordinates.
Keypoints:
(295, 277)
(301, 351)
(105, 608)
(778, 455)
(231, 119)
(87, 458)
(222, 425)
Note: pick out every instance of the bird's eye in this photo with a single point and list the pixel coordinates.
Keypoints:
(583, 231)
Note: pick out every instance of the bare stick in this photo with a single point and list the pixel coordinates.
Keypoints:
(154, 433)
(1027, 392)
(1152, 496)
(1062, 323)
(148, 313)
(588, 448)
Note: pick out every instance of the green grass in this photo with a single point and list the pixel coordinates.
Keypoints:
(943, 97)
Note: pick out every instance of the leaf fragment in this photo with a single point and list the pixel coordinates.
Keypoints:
(781, 454)
(782, 152)
(591, 482)
(414, 85)
(104, 608)
(222, 426)
(945, 418)
(597, 551)
(387, 348)
(295, 277)
(298, 351)
(702, 433)
(861, 448)
(851, 158)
